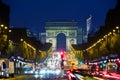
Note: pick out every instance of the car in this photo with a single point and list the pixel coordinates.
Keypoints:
(78, 74)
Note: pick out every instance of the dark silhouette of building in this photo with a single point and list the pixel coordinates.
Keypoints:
(4, 19)
(4, 13)
(113, 17)
(112, 20)
(17, 34)
(21, 33)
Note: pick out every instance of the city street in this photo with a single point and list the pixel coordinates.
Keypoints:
(32, 77)
(59, 40)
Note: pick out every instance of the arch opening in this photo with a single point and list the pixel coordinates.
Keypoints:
(61, 42)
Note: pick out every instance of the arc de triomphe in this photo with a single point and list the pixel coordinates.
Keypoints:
(69, 29)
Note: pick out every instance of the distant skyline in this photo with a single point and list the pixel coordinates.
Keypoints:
(33, 14)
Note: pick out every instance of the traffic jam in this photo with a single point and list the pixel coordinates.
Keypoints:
(53, 67)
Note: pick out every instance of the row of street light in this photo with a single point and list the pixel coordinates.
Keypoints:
(104, 37)
(4, 28)
(98, 44)
(4, 31)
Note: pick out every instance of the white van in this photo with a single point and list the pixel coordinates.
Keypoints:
(6, 68)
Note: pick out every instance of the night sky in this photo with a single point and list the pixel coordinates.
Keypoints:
(34, 13)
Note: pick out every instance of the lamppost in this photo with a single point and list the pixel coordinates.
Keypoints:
(3, 40)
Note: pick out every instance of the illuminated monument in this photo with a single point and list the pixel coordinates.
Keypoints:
(67, 31)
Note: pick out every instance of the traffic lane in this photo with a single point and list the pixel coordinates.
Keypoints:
(18, 77)
(30, 77)
(82, 74)
(78, 73)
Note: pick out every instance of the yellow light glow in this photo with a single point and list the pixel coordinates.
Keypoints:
(10, 30)
(2, 25)
(113, 30)
(6, 27)
(117, 27)
(21, 39)
(110, 33)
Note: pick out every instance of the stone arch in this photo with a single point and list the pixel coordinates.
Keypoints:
(60, 31)
(69, 29)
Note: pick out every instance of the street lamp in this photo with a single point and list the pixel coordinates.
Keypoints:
(3, 39)
(2, 25)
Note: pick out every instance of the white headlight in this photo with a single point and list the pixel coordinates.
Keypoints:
(36, 72)
(2, 73)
